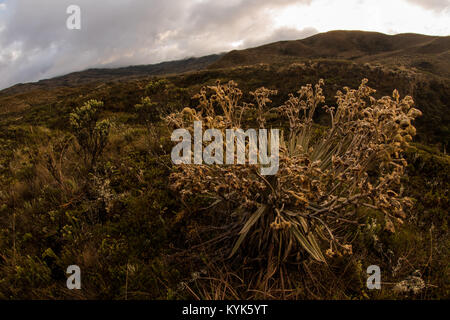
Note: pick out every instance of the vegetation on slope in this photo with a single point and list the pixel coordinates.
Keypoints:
(116, 217)
(133, 237)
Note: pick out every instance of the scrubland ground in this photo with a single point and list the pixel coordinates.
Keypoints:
(134, 237)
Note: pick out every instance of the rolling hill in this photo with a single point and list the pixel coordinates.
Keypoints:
(417, 65)
(120, 220)
(425, 53)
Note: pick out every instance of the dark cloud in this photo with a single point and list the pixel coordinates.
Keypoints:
(436, 5)
(35, 43)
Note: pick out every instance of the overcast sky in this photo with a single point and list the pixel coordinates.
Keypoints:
(36, 44)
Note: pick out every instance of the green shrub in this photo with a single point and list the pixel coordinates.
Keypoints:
(90, 132)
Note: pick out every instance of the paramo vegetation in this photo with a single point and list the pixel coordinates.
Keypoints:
(88, 180)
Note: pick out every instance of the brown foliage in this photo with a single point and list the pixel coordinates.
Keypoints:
(323, 177)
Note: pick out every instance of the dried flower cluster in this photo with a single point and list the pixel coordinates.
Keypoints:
(324, 175)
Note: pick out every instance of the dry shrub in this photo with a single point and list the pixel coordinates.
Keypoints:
(324, 175)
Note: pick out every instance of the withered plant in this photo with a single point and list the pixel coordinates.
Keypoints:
(325, 173)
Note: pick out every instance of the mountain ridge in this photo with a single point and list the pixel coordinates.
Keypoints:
(422, 52)
(359, 46)
(416, 65)
(105, 74)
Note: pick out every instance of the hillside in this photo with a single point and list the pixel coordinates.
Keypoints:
(86, 178)
(415, 51)
(105, 75)
(419, 52)
(417, 65)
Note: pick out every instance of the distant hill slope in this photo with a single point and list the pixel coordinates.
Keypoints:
(108, 74)
(417, 65)
(425, 53)
(420, 52)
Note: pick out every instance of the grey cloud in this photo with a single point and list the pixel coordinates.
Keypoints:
(229, 13)
(436, 5)
(110, 30)
(35, 43)
(281, 34)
